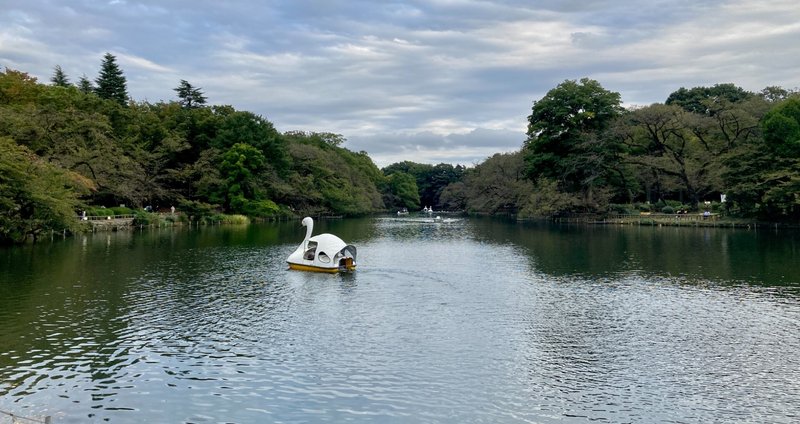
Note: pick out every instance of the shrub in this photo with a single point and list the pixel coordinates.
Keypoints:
(144, 218)
(235, 219)
(261, 208)
(99, 211)
(121, 210)
(668, 210)
(198, 210)
(620, 209)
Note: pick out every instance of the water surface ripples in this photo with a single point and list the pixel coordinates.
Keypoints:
(442, 323)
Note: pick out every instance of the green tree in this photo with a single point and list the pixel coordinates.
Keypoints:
(325, 178)
(774, 93)
(498, 185)
(431, 180)
(662, 144)
(764, 176)
(547, 201)
(157, 149)
(71, 129)
(402, 192)
(85, 85)
(682, 153)
(190, 97)
(111, 83)
(454, 196)
(35, 197)
(701, 100)
(321, 139)
(239, 168)
(781, 127)
(245, 127)
(566, 140)
(59, 78)
(18, 88)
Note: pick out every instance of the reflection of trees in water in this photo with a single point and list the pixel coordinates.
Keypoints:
(722, 255)
(64, 316)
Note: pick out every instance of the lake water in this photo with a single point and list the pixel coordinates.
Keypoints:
(474, 321)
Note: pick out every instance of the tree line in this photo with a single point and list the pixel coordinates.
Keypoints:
(67, 147)
(718, 147)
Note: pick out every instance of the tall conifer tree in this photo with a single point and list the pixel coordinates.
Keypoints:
(59, 78)
(85, 85)
(190, 97)
(111, 83)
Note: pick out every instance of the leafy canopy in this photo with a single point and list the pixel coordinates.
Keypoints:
(563, 127)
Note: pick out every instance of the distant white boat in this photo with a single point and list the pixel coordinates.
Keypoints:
(322, 253)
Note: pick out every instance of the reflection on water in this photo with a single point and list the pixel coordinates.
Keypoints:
(468, 321)
(761, 257)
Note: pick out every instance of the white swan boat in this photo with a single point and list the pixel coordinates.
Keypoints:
(322, 253)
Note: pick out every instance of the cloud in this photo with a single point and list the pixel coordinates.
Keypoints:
(467, 149)
(435, 80)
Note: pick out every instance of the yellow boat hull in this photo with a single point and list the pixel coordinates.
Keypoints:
(312, 268)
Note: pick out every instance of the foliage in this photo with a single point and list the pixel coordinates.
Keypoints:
(679, 152)
(111, 83)
(706, 142)
(662, 142)
(71, 148)
(622, 209)
(546, 200)
(18, 89)
(112, 211)
(35, 197)
(498, 185)
(190, 97)
(235, 219)
(239, 169)
(774, 94)
(763, 177)
(208, 160)
(567, 141)
(782, 128)
(247, 128)
(59, 77)
(330, 178)
(142, 217)
(431, 180)
(701, 100)
(85, 85)
(401, 192)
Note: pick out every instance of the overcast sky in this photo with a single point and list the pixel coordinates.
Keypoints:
(428, 81)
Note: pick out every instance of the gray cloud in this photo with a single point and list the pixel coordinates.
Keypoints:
(466, 149)
(431, 81)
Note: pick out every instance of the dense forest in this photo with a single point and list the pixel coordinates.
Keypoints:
(67, 147)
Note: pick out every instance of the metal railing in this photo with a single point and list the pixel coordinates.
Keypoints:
(670, 216)
(104, 217)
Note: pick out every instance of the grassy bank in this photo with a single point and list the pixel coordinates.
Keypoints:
(686, 220)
